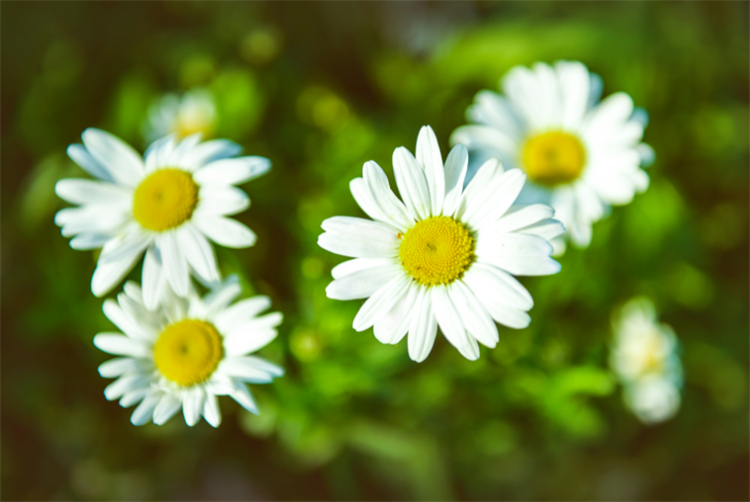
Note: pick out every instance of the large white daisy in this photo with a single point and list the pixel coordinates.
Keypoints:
(166, 207)
(644, 357)
(442, 257)
(194, 112)
(580, 156)
(186, 352)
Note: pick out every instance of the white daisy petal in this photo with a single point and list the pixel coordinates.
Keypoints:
(127, 324)
(518, 254)
(134, 396)
(89, 240)
(411, 181)
(501, 300)
(517, 217)
(131, 242)
(119, 158)
(121, 345)
(381, 192)
(250, 369)
(477, 195)
(479, 137)
(174, 263)
(110, 273)
(211, 411)
(357, 264)
(428, 154)
(232, 171)
(491, 109)
(154, 278)
(169, 404)
(90, 218)
(209, 151)
(547, 229)
(455, 173)
(359, 238)
(126, 383)
(221, 200)
(380, 303)
(489, 281)
(81, 191)
(392, 327)
(158, 152)
(363, 283)
(241, 312)
(121, 365)
(83, 158)
(244, 397)
(258, 324)
(198, 252)
(241, 343)
(145, 410)
(225, 231)
(221, 296)
(423, 327)
(478, 322)
(451, 324)
(495, 200)
(192, 405)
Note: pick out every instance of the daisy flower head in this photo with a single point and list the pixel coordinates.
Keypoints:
(644, 356)
(186, 352)
(194, 112)
(443, 257)
(580, 155)
(166, 206)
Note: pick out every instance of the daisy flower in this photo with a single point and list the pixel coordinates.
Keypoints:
(444, 256)
(645, 358)
(168, 207)
(186, 352)
(194, 112)
(580, 155)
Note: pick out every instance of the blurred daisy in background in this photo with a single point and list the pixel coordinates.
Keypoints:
(444, 256)
(644, 357)
(167, 206)
(186, 352)
(194, 112)
(580, 155)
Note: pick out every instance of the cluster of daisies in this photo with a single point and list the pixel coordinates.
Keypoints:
(547, 161)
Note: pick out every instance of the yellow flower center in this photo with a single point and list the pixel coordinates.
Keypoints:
(165, 199)
(553, 158)
(188, 352)
(184, 127)
(437, 250)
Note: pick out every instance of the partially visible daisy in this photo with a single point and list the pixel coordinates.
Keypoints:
(186, 352)
(645, 358)
(194, 112)
(166, 207)
(580, 155)
(442, 257)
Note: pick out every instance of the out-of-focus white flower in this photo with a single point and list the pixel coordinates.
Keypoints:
(645, 358)
(166, 206)
(186, 352)
(194, 113)
(442, 257)
(580, 155)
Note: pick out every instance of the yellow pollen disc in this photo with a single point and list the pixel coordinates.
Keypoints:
(165, 199)
(185, 127)
(188, 352)
(437, 250)
(553, 158)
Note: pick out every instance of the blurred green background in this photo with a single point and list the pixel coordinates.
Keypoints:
(320, 88)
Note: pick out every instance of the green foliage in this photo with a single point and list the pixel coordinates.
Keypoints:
(320, 88)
